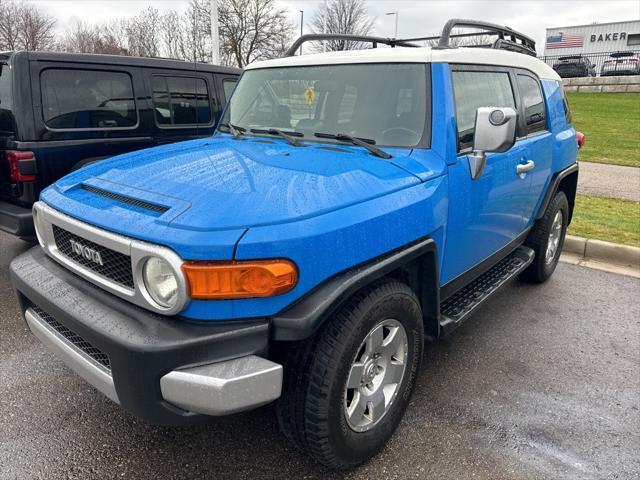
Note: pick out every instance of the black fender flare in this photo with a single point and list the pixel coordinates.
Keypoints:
(556, 180)
(304, 317)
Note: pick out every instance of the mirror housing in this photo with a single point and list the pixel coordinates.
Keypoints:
(495, 131)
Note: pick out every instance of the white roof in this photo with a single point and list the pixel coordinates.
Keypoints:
(476, 56)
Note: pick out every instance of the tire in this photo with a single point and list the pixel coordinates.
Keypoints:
(312, 411)
(543, 267)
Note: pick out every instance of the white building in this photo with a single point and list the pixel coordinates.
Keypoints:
(596, 38)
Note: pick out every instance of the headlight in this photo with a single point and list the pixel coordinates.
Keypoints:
(160, 281)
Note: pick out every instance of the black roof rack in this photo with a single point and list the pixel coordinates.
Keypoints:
(508, 39)
(316, 37)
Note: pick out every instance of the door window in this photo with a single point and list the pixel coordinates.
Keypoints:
(87, 99)
(475, 89)
(532, 104)
(179, 101)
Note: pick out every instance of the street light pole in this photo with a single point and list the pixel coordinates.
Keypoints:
(396, 15)
(301, 27)
(215, 34)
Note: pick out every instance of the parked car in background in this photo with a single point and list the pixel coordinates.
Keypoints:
(621, 63)
(575, 66)
(61, 111)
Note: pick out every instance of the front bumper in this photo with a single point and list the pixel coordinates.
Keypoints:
(16, 220)
(164, 370)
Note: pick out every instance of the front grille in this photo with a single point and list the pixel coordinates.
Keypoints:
(126, 200)
(115, 266)
(76, 340)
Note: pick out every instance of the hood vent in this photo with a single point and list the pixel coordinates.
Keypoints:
(126, 200)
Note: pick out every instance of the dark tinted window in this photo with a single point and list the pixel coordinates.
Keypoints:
(229, 86)
(565, 103)
(532, 103)
(181, 101)
(6, 101)
(87, 99)
(633, 39)
(475, 89)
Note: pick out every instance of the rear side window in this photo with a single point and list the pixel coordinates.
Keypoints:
(6, 100)
(532, 104)
(475, 89)
(565, 103)
(229, 86)
(87, 99)
(181, 101)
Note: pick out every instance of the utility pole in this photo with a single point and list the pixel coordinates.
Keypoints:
(301, 27)
(396, 14)
(215, 34)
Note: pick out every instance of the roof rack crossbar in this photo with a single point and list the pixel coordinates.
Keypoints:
(316, 37)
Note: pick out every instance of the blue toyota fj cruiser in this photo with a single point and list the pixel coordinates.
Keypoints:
(349, 205)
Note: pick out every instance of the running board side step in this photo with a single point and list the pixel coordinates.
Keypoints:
(459, 307)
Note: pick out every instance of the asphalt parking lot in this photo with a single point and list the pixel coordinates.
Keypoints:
(543, 383)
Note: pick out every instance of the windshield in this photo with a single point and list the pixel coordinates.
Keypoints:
(385, 103)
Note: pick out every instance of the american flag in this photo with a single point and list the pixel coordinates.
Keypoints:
(562, 40)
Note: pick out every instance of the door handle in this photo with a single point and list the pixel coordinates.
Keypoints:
(524, 168)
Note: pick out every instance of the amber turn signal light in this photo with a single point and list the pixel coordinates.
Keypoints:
(245, 279)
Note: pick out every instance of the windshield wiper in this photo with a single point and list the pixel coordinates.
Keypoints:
(361, 142)
(288, 136)
(235, 130)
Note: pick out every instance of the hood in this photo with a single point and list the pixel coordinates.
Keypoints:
(220, 183)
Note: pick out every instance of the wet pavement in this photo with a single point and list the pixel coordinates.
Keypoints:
(542, 383)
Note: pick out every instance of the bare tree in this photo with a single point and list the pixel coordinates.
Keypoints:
(250, 30)
(342, 16)
(82, 37)
(38, 29)
(143, 33)
(9, 26)
(23, 26)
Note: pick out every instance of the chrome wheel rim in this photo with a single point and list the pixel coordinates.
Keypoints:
(554, 238)
(375, 375)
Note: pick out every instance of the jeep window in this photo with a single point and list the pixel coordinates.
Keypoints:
(87, 99)
(181, 101)
(532, 103)
(7, 124)
(475, 89)
(387, 103)
(228, 85)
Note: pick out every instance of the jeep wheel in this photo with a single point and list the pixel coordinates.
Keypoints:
(546, 239)
(347, 387)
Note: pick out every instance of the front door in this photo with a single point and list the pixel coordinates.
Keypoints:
(487, 214)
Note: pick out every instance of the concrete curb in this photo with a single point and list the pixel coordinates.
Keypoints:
(607, 252)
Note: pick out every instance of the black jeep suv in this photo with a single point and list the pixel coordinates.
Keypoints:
(574, 66)
(61, 111)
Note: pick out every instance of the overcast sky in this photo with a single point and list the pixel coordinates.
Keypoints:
(416, 17)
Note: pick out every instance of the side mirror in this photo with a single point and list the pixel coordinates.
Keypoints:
(495, 131)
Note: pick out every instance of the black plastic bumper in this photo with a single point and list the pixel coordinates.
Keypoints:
(141, 346)
(16, 220)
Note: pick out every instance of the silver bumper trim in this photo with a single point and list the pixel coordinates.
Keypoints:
(225, 387)
(74, 358)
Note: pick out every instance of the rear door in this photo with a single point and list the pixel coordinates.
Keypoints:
(488, 214)
(536, 142)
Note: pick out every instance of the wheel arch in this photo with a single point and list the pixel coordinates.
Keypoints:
(563, 181)
(415, 264)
